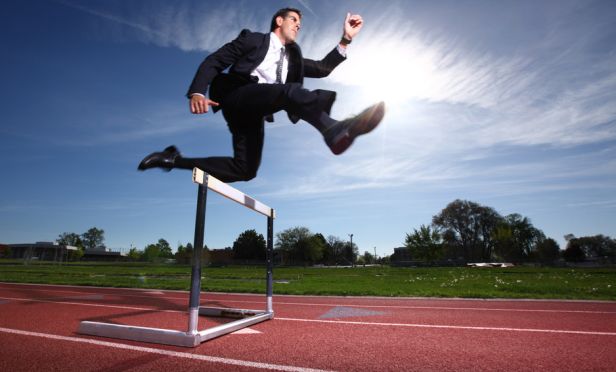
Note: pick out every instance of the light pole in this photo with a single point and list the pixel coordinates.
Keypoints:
(352, 255)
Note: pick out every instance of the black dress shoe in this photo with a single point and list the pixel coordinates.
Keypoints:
(345, 131)
(164, 159)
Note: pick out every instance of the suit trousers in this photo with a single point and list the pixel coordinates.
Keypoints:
(244, 110)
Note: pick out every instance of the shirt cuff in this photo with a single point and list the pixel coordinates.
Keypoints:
(341, 50)
(197, 94)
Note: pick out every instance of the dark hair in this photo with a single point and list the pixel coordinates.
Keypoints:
(283, 13)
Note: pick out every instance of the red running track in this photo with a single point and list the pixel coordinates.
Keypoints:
(38, 325)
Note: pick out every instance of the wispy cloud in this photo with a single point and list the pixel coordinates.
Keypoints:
(449, 101)
(306, 5)
(187, 25)
(115, 19)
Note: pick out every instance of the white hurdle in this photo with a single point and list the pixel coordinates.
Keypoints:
(192, 336)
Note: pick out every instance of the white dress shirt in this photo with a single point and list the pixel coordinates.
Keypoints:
(266, 71)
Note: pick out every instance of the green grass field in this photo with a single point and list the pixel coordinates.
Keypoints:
(517, 282)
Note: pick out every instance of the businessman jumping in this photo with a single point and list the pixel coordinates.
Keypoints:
(266, 76)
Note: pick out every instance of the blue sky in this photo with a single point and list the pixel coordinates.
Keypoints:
(510, 104)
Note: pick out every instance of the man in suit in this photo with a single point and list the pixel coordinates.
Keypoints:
(266, 76)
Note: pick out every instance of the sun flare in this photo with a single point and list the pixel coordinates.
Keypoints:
(396, 71)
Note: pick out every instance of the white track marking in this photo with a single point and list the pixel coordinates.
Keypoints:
(502, 329)
(446, 308)
(246, 331)
(94, 305)
(340, 321)
(151, 350)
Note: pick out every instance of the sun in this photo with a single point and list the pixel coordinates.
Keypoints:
(395, 71)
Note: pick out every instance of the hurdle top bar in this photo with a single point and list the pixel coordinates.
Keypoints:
(229, 192)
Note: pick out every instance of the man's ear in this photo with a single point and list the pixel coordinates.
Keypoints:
(279, 21)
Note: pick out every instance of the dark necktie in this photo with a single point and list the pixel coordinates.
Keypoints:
(279, 68)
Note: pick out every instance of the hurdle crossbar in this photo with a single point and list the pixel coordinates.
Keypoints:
(229, 192)
(192, 336)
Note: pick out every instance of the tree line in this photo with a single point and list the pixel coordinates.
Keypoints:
(465, 231)
(92, 239)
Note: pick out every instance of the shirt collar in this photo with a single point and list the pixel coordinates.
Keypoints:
(275, 41)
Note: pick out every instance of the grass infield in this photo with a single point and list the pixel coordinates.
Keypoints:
(516, 282)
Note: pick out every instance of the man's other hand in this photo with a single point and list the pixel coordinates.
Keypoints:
(352, 24)
(200, 104)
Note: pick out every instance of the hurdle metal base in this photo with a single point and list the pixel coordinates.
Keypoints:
(193, 337)
(178, 338)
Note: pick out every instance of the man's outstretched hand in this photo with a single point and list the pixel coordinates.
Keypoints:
(352, 24)
(200, 104)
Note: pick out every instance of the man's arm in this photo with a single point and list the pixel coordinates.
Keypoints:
(318, 69)
(211, 66)
(352, 26)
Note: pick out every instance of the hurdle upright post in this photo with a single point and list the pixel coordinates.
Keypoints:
(270, 262)
(195, 276)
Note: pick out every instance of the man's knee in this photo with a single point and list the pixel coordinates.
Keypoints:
(248, 175)
(248, 171)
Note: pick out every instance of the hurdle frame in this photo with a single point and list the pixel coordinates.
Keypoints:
(193, 336)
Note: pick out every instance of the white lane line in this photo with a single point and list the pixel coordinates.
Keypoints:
(176, 354)
(93, 305)
(341, 321)
(411, 307)
(431, 307)
(451, 327)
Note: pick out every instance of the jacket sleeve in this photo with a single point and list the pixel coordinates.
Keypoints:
(322, 68)
(217, 62)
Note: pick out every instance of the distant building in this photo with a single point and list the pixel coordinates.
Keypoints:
(47, 251)
(103, 254)
(401, 254)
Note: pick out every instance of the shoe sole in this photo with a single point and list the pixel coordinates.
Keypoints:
(365, 127)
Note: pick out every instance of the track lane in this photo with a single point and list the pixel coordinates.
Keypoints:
(301, 337)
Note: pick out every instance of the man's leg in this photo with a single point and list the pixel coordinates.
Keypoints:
(266, 99)
(311, 106)
(247, 150)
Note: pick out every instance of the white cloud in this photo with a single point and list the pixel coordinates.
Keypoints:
(450, 101)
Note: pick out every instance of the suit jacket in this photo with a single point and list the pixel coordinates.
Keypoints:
(243, 55)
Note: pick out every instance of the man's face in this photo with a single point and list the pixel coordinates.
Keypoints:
(289, 28)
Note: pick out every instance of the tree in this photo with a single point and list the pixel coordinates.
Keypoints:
(287, 242)
(157, 252)
(298, 245)
(504, 244)
(71, 239)
(424, 244)
(368, 258)
(184, 254)
(249, 246)
(467, 229)
(151, 253)
(350, 252)
(312, 248)
(516, 238)
(164, 248)
(334, 249)
(598, 247)
(574, 252)
(548, 251)
(134, 254)
(93, 238)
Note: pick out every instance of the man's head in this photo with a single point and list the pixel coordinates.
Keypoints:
(286, 24)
